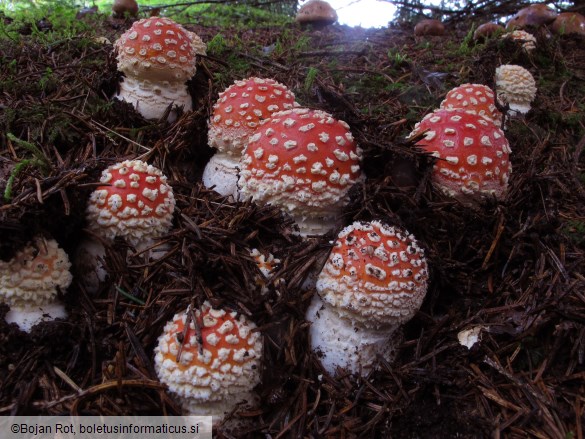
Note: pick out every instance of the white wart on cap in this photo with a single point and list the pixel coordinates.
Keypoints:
(516, 87)
(29, 283)
(375, 276)
(472, 154)
(305, 162)
(135, 203)
(214, 364)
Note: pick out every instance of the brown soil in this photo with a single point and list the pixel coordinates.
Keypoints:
(514, 267)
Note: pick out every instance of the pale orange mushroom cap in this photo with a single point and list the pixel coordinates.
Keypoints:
(35, 274)
(217, 358)
(473, 98)
(158, 49)
(302, 160)
(472, 154)
(135, 203)
(375, 275)
(240, 108)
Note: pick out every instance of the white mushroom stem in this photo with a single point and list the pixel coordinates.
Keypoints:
(340, 342)
(219, 409)
(89, 264)
(222, 173)
(318, 225)
(28, 316)
(151, 99)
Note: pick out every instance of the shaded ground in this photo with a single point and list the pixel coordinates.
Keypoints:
(516, 268)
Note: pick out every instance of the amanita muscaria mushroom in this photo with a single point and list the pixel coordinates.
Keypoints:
(473, 98)
(472, 154)
(516, 87)
(375, 279)
(157, 57)
(304, 161)
(135, 202)
(213, 364)
(31, 280)
(527, 40)
(266, 265)
(236, 115)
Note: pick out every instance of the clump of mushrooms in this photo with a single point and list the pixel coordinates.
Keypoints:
(157, 57)
(305, 162)
(210, 359)
(375, 279)
(236, 114)
(31, 281)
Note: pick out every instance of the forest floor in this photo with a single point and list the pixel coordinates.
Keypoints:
(513, 269)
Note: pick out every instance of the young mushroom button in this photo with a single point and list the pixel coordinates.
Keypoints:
(472, 154)
(135, 203)
(305, 162)
(211, 365)
(30, 281)
(376, 275)
(374, 280)
(516, 87)
(157, 56)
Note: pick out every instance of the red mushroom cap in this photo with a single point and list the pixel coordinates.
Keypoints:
(136, 204)
(375, 275)
(473, 98)
(216, 358)
(158, 49)
(240, 108)
(302, 160)
(472, 153)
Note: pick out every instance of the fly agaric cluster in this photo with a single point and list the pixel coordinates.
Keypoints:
(157, 57)
(236, 115)
(271, 150)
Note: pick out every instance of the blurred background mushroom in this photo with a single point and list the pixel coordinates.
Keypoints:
(317, 13)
